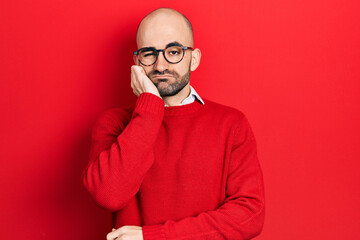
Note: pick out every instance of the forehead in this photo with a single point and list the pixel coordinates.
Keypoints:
(160, 30)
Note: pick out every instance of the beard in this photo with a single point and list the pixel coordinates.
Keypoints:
(172, 88)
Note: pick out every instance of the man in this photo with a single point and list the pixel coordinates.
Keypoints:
(174, 165)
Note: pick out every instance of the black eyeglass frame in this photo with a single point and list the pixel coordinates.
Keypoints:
(163, 51)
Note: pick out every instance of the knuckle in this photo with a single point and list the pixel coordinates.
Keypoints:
(108, 236)
(135, 67)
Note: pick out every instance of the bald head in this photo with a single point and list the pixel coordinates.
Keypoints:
(164, 24)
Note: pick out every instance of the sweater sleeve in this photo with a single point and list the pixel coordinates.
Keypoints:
(121, 155)
(241, 216)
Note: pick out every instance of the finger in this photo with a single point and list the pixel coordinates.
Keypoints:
(142, 70)
(112, 235)
(116, 234)
(139, 70)
(135, 68)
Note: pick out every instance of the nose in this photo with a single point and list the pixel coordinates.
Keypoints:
(161, 64)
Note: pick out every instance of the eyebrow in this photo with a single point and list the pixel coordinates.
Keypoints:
(173, 44)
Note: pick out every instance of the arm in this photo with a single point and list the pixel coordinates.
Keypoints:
(242, 214)
(120, 156)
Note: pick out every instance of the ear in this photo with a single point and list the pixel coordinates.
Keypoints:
(195, 59)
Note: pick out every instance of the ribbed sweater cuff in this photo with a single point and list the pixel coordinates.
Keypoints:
(153, 232)
(150, 103)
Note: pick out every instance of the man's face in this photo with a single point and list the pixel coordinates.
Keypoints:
(158, 32)
(170, 79)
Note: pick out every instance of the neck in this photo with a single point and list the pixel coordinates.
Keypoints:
(178, 98)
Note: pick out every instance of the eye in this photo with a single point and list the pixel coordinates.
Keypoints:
(149, 54)
(173, 52)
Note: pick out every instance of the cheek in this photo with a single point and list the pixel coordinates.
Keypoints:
(183, 67)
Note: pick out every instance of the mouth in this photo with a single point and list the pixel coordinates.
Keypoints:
(162, 76)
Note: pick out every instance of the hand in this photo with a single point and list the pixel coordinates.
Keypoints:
(126, 233)
(141, 83)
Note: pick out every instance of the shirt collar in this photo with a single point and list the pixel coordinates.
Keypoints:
(193, 93)
(191, 98)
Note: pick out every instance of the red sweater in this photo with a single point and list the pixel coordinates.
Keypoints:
(180, 172)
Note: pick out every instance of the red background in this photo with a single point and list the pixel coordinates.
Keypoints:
(291, 66)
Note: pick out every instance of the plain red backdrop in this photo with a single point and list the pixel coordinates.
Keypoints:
(293, 67)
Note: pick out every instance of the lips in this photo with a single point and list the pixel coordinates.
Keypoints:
(162, 76)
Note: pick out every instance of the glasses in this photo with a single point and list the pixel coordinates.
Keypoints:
(173, 54)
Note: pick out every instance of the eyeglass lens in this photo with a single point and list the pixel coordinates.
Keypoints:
(173, 54)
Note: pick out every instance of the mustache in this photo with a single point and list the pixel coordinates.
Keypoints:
(158, 73)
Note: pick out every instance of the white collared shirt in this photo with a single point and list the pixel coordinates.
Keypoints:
(191, 98)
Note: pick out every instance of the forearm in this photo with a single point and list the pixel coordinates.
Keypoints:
(231, 221)
(241, 217)
(115, 173)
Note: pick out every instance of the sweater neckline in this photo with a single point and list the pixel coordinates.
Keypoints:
(183, 109)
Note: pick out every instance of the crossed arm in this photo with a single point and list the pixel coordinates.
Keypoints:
(240, 217)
